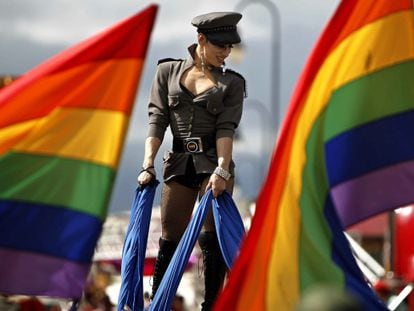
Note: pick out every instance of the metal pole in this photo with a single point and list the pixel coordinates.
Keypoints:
(389, 242)
(266, 139)
(400, 298)
(275, 55)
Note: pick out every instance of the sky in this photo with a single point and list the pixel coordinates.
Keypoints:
(276, 40)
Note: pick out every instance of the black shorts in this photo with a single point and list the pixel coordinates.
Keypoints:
(190, 179)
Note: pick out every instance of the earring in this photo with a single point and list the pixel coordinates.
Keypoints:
(203, 64)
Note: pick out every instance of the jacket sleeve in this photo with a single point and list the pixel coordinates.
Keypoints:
(158, 111)
(229, 118)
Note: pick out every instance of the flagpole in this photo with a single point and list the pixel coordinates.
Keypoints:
(390, 249)
(274, 101)
(271, 115)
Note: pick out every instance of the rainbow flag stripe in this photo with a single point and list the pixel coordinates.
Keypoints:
(342, 151)
(62, 128)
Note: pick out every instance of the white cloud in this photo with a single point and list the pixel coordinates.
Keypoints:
(66, 22)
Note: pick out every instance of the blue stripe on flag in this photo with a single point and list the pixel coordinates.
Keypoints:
(48, 230)
(370, 147)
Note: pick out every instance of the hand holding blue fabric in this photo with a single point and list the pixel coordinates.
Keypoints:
(133, 253)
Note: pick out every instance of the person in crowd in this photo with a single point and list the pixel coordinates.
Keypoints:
(178, 303)
(8, 304)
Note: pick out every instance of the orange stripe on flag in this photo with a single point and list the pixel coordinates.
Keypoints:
(108, 85)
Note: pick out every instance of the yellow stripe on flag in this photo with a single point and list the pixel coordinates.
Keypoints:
(76, 133)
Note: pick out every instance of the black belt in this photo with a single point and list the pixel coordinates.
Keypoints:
(194, 144)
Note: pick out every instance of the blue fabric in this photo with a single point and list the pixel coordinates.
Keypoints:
(230, 231)
(169, 284)
(229, 227)
(133, 253)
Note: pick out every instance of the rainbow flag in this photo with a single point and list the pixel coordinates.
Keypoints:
(62, 127)
(345, 146)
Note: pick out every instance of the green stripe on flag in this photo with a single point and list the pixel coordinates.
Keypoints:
(315, 234)
(372, 97)
(61, 182)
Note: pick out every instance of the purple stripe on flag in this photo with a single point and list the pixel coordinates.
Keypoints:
(374, 193)
(34, 274)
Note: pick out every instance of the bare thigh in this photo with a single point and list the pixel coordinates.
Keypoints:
(177, 203)
(209, 223)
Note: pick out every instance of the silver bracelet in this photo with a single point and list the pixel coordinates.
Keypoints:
(219, 171)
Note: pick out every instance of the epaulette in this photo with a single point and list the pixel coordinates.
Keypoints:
(235, 72)
(164, 60)
(239, 75)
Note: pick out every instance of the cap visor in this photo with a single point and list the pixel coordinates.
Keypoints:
(224, 37)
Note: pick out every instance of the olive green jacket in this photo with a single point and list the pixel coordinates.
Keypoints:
(217, 111)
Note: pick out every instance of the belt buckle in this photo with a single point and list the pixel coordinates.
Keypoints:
(193, 144)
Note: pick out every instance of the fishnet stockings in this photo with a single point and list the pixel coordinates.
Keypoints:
(177, 204)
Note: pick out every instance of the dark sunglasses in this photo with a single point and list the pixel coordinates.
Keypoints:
(222, 46)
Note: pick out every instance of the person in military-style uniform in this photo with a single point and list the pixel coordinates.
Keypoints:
(202, 103)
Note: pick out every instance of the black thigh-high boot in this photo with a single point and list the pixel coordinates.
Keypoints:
(165, 254)
(214, 268)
